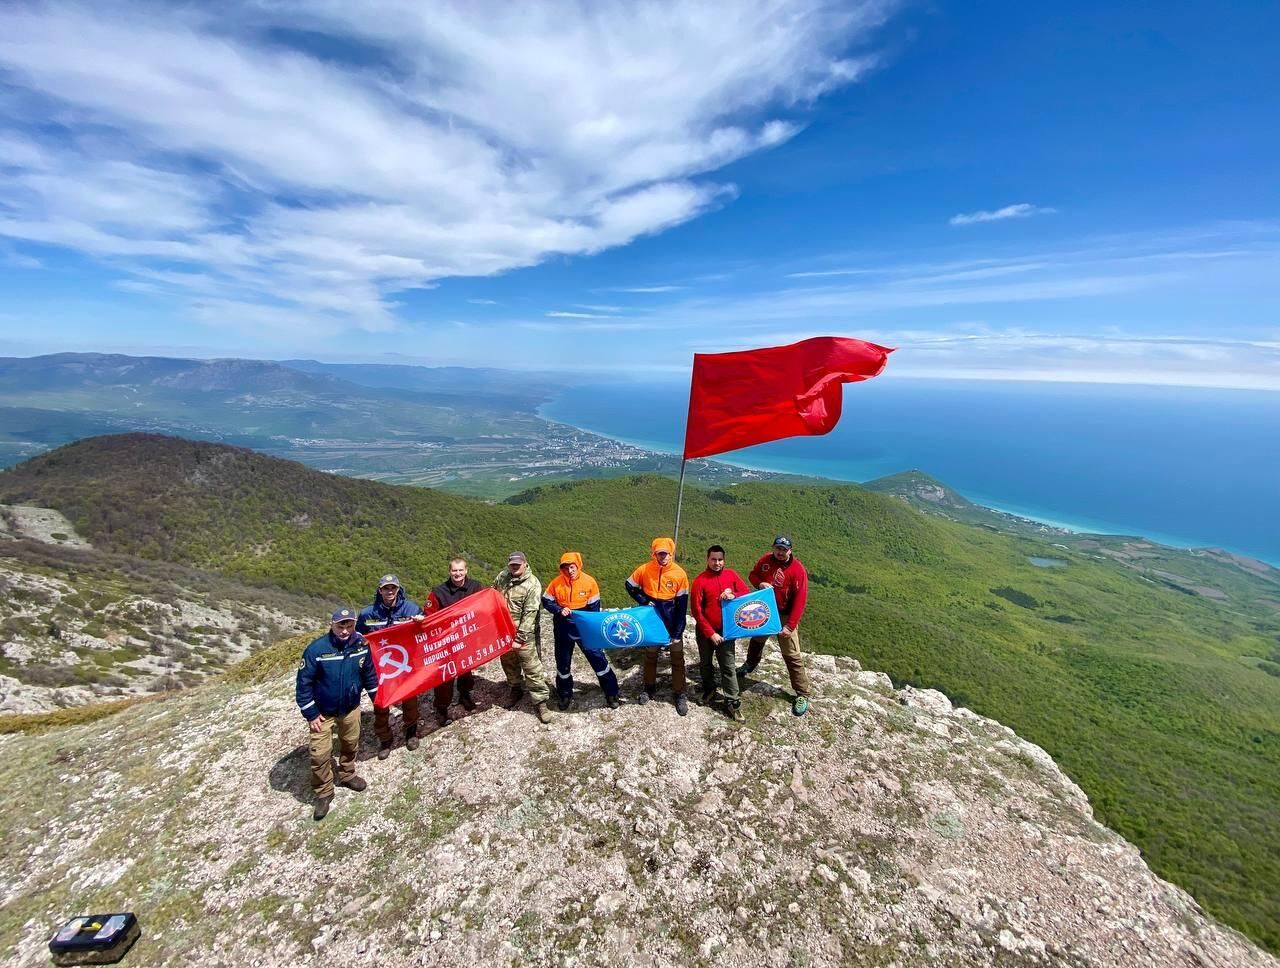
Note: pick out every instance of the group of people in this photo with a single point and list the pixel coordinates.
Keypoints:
(338, 666)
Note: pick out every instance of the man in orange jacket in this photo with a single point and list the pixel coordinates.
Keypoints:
(662, 583)
(574, 590)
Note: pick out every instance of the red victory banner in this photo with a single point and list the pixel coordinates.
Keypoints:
(412, 657)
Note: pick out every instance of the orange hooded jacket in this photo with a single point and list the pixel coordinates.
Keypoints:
(582, 592)
(661, 582)
(665, 587)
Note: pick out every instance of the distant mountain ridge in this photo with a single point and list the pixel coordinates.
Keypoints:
(1158, 701)
(473, 430)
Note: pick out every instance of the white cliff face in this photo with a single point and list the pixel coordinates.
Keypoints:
(883, 828)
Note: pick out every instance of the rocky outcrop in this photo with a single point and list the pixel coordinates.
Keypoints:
(886, 827)
(67, 638)
(46, 525)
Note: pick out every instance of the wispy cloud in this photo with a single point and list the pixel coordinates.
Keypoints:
(598, 324)
(483, 302)
(565, 314)
(648, 289)
(983, 353)
(914, 305)
(1021, 210)
(316, 157)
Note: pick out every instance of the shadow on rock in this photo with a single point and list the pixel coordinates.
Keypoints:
(488, 695)
(292, 774)
(757, 688)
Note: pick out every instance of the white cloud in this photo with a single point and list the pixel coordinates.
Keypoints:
(563, 314)
(649, 289)
(1021, 210)
(414, 143)
(983, 353)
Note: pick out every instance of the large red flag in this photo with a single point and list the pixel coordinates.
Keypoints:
(413, 657)
(753, 396)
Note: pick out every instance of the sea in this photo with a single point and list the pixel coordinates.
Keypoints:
(1187, 467)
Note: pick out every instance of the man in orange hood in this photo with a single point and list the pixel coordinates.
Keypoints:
(662, 583)
(574, 590)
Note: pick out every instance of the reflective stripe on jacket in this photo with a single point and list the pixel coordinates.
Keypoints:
(332, 674)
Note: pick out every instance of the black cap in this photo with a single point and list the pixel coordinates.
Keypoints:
(782, 541)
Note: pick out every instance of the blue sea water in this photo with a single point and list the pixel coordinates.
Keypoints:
(1189, 467)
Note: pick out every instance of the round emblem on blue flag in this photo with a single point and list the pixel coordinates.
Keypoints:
(622, 630)
(752, 615)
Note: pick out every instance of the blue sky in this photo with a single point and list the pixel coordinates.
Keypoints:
(1078, 192)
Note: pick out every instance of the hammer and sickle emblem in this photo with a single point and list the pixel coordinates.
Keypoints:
(398, 665)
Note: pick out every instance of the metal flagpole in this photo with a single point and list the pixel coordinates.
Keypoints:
(675, 537)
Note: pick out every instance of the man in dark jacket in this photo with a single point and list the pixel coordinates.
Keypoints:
(458, 587)
(391, 607)
(335, 668)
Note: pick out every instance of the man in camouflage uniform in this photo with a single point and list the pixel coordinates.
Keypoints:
(523, 665)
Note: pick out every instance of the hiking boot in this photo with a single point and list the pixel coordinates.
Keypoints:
(613, 702)
(322, 807)
(735, 713)
(708, 698)
(468, 701)
(356, 783)
(543, 713)
(384, 750)
(682, 705)
(800, 706)
(746, 669)
(411, 741)
(644, 697)
(513, 700)
(565, 702)
(442, 717)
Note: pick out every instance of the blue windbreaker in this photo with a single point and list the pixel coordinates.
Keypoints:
(331, 675)
(377, 616)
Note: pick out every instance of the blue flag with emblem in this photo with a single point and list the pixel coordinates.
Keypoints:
(622, 628)
(751, 615)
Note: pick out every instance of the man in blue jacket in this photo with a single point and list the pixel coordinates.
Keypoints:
(390, 607)
(333, 671)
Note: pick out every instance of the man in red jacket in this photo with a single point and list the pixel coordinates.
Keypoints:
(715, 585)
(781, 570)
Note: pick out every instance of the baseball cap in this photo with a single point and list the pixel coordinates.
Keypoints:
(782, 541)
(344, 615)
(516, 556)
(389, 580)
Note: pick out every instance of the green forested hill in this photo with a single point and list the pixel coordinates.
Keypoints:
(1156, 701)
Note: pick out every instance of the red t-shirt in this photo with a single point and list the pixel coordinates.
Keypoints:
(705, 598)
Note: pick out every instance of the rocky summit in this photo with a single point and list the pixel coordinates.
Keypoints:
(884, 828)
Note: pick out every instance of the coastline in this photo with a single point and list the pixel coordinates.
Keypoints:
(1033, 515)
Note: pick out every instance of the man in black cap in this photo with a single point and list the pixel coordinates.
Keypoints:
(781, 570)
(333, 671)
(458, 587)
(391, 607)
